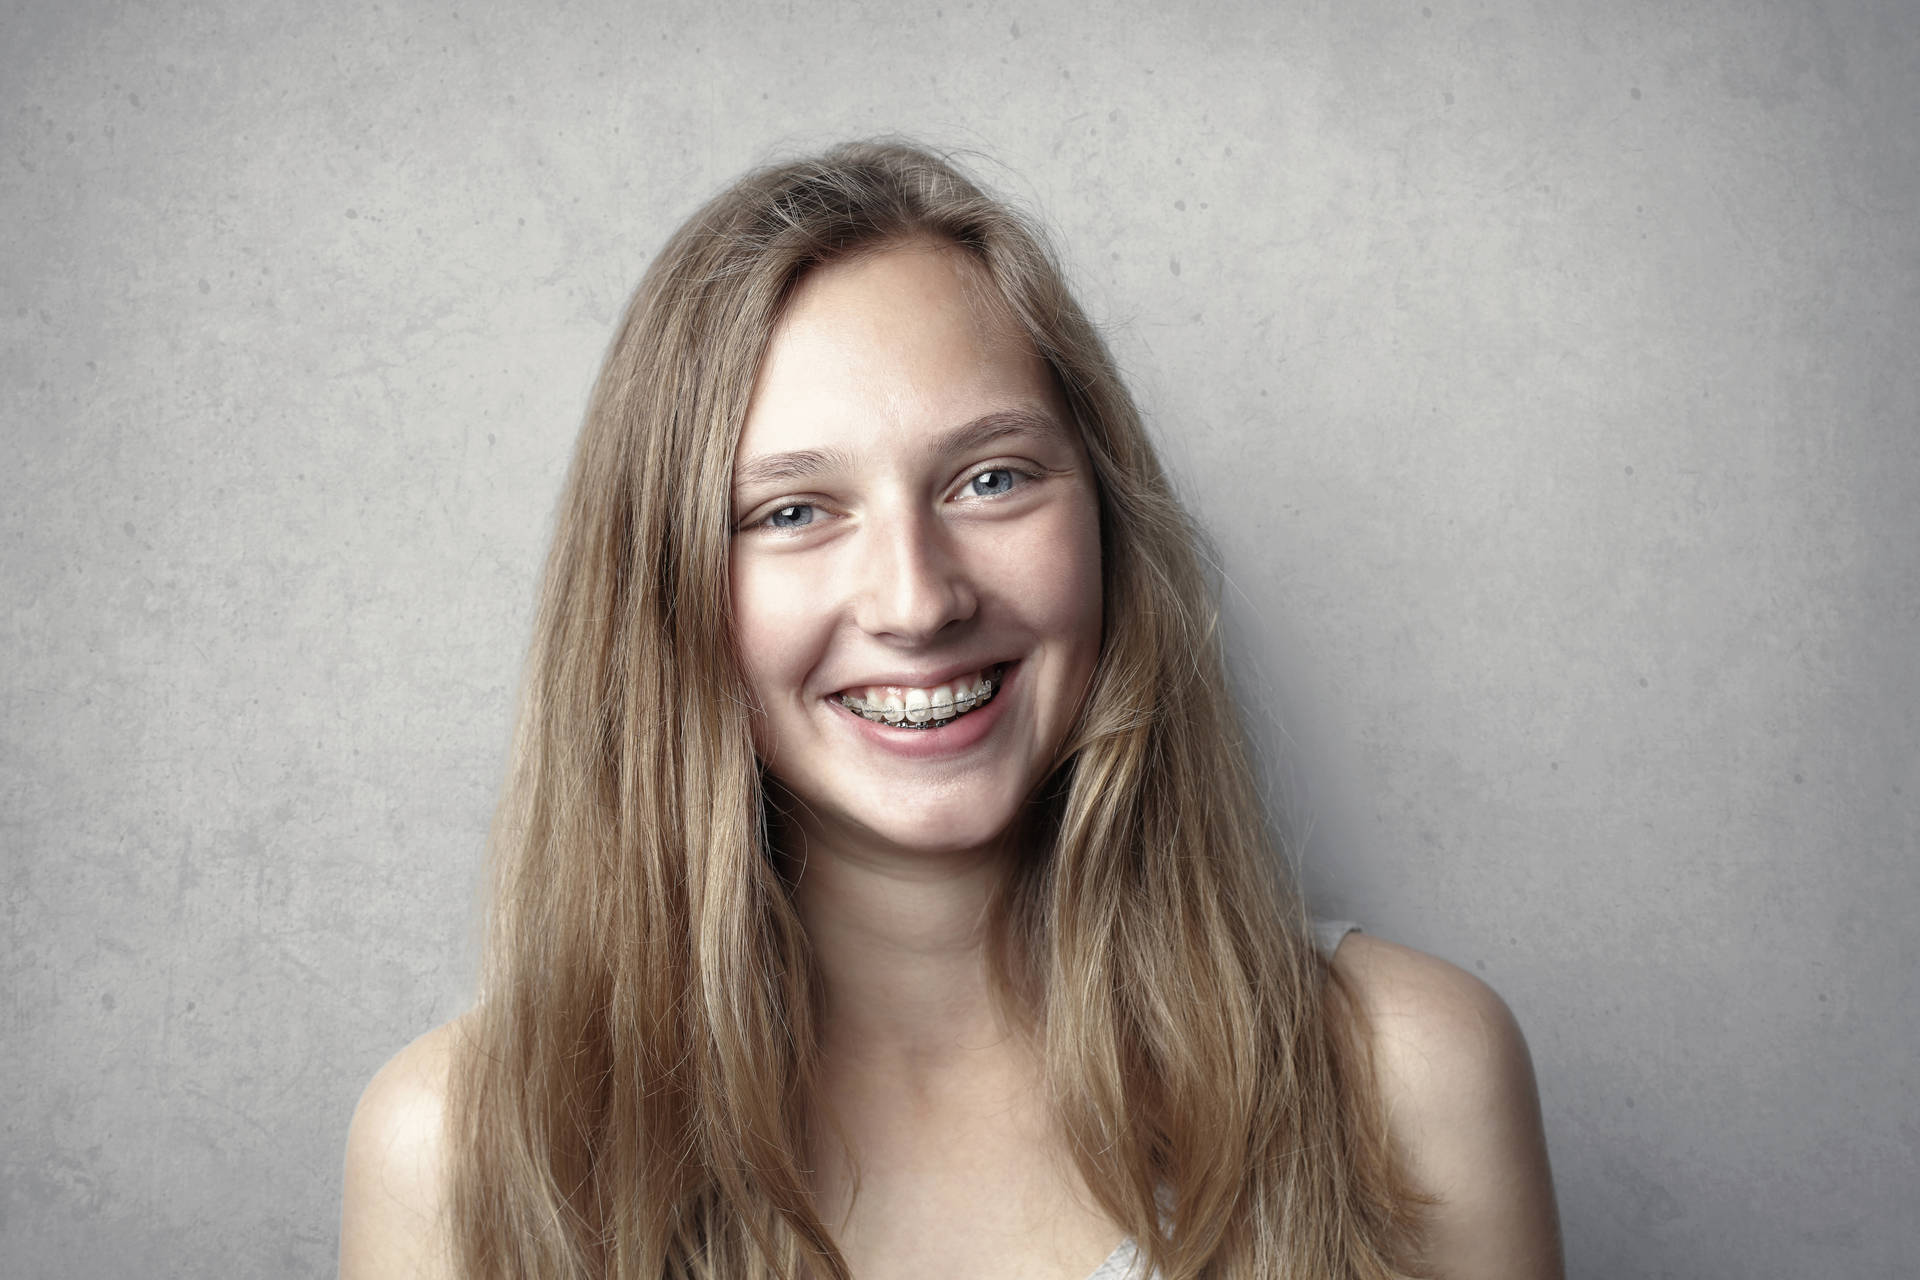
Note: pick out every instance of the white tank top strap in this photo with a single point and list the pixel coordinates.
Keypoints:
(1327, 935)
(1122, 1264)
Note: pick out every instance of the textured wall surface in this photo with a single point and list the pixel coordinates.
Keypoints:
(1546, 373)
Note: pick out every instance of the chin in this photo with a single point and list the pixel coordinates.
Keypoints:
(931, 836)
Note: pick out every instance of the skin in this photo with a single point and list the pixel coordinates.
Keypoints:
(900, 543)
(905, 569)
(897, 549)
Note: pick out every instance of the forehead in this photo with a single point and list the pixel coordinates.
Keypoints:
(881, 350)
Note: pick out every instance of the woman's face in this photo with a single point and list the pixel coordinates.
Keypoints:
(916, 543)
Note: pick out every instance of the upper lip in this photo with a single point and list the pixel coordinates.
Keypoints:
(922, 680)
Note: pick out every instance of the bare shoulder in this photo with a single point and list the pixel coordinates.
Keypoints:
(1462, 1108)
(1431, 1022)
(393, 1205)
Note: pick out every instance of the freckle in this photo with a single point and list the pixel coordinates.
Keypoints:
(1635, 91)
(1643, 682)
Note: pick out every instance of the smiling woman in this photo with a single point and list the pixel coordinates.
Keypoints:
(882, 890)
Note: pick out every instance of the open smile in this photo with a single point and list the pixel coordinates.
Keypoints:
(922, 709)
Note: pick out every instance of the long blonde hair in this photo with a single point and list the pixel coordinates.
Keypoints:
(634, 1098)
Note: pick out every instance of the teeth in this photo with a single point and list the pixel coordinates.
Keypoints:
(921, 708)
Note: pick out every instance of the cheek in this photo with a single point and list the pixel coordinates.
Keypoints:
(1061, 590)
(770, 619)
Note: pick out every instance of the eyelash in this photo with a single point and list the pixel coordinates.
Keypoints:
(1019, 477)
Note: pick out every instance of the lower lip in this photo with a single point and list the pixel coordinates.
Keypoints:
(956, 736)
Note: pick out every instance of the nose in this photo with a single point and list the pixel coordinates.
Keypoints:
(912, 582)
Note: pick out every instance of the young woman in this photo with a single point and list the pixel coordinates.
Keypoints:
(882, 891)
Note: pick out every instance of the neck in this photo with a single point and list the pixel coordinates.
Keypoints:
(900, 941)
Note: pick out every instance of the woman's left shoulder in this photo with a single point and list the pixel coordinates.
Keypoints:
(1462, 1108)
(1426, 1015)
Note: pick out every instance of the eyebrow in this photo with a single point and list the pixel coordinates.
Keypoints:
(802, 464)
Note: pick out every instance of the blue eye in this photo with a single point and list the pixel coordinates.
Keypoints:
(793, 517)
(991, 484)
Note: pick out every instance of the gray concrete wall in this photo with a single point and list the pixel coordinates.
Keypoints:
(1546, 372)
